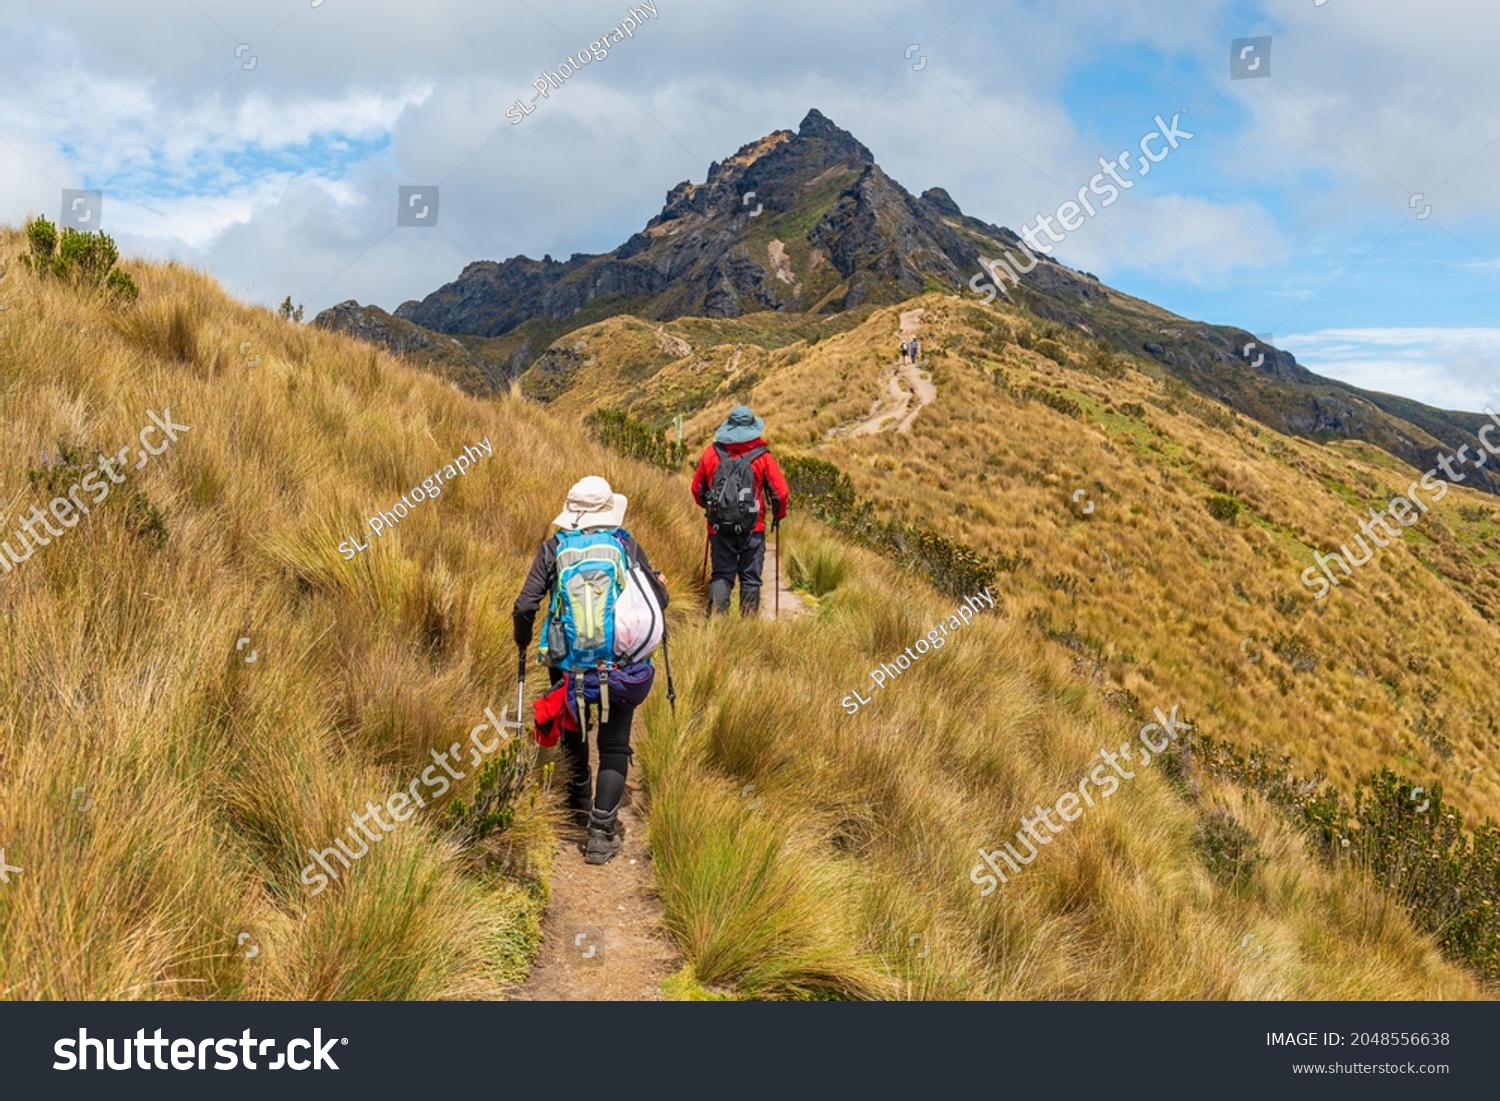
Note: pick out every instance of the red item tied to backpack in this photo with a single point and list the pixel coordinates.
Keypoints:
(552, 716)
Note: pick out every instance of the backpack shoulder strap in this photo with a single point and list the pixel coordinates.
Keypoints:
(627, 542)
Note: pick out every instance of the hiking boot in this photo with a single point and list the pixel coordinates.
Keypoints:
(606, 837)
(718, 597)
(749, 600)
(580, 801)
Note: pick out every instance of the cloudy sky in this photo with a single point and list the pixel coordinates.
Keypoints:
(1344, 205)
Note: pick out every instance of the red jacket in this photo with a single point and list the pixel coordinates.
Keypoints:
(767, 474)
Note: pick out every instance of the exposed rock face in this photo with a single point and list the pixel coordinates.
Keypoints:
(454, 359)
(693, 258)
(816, 198)
(374, 325)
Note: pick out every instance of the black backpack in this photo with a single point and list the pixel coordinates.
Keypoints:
(732, 505)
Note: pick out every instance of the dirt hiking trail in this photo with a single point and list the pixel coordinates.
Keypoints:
(791, 603)
(602, 938)
(894, 407)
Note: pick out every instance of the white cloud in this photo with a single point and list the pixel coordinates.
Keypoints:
(258, 174)
(1450, 368)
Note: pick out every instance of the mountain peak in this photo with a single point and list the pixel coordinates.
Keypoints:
(817, 125)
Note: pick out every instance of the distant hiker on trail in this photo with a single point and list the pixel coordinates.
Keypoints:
(916, 351)
(604, 614)
(737, 484)
(903, 351)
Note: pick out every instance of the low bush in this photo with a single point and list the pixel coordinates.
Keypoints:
(619, 431)
(86, 259)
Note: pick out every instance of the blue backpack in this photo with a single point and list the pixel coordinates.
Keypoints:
(592, 569)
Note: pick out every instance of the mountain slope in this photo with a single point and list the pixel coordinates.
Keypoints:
(205, 777)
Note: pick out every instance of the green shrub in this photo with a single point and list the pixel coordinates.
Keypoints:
(497, 787)
(621, 432)
(1103, 362)
(41, 236)
(1053, 351)
(1229, 849)
(1061, 402)
(1402, 834)
(1296, 653)
(1223, 508)
(58, 473)
(84, 259)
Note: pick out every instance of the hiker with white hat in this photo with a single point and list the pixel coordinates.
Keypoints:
(604, 618)
(738, 484)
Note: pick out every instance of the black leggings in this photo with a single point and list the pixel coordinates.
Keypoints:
(614, 755)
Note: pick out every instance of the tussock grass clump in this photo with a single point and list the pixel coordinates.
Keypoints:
(817, 565)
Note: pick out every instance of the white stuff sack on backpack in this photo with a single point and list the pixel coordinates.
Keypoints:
(639, 623)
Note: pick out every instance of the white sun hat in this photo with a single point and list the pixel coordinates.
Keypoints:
(592, 504)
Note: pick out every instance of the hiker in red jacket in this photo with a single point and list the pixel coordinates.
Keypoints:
(738, 484)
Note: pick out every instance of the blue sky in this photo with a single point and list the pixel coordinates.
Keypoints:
(1288, 213)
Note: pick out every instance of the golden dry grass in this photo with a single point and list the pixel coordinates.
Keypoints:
(207, 778)
(856, 856)
(1149, 598)
(210, 778)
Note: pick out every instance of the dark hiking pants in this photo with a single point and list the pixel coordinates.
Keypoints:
(736, 557)
(614, 753)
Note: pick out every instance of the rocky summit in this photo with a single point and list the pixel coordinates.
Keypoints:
(807, 223)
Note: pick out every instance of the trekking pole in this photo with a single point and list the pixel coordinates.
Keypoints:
(666, 656)
(520, 684)
(776, 531)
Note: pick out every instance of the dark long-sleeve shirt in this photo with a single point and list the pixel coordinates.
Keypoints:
(543, 575)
